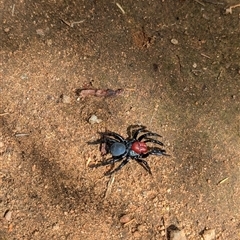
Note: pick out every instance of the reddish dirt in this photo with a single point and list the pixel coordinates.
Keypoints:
(179, 66)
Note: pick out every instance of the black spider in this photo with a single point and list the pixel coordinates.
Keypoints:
(129, 148)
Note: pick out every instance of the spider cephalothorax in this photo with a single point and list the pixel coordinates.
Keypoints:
(134, 147)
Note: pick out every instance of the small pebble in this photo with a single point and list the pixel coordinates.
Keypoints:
(24, 77)
(6, 30)
(174, 41)
(125, 218)
(163, 233)
(209, 234)
(49, 42)
(40, 32)
(55, 227)
(140, 228)
(35, 233)
(8, 215)
(94, 119)
(176, 234)
(136, 234)
(66, 99)
(1, 144)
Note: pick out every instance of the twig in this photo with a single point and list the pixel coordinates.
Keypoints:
(3, 114)
(204, 55)
(154, 112)
(97, 92)
(109, 185)
(21, 134)
(88, 161)
(212, 2)
(119, 6)
(219, 75)
(229, 10)
(199, 2)
(223, 180)
(126, 224)
(71, 24)
(13, 9)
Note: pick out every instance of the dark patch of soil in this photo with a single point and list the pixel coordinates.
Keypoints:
(179, 66)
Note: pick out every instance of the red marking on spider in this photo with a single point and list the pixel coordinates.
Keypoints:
(139, 147)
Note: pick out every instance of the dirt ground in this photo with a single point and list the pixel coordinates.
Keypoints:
(178, 63)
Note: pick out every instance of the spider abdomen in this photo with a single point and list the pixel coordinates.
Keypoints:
(117, 149)
(139, 147)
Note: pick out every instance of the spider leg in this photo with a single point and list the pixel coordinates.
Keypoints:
(104, 144)
(109, 141)
(119, 167)
(148, 134)
(132, 129)
(153, 141)
(112, 161)
(144, 164)
(113, 134)
(155, 151)
(106, 140)
(142, 129)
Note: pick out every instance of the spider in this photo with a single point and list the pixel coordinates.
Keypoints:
(130, 148)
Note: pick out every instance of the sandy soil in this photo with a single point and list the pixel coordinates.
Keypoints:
(178, 63)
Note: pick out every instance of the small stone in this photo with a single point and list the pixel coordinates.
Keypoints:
(174, 41)
(34, 167)
(1, 144)
(163, 233)
(228, 10)
(140, 228)
(55, 227)
(175, 233)
(205, 16)
(6, 30)
(136, 234)
(125, 218)
(66, 99)
(24, 76)
(8, 215)
(209, 234)
(94, 119)
(35, 232)
(49, 42)
(178, 235)
(40, 32)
